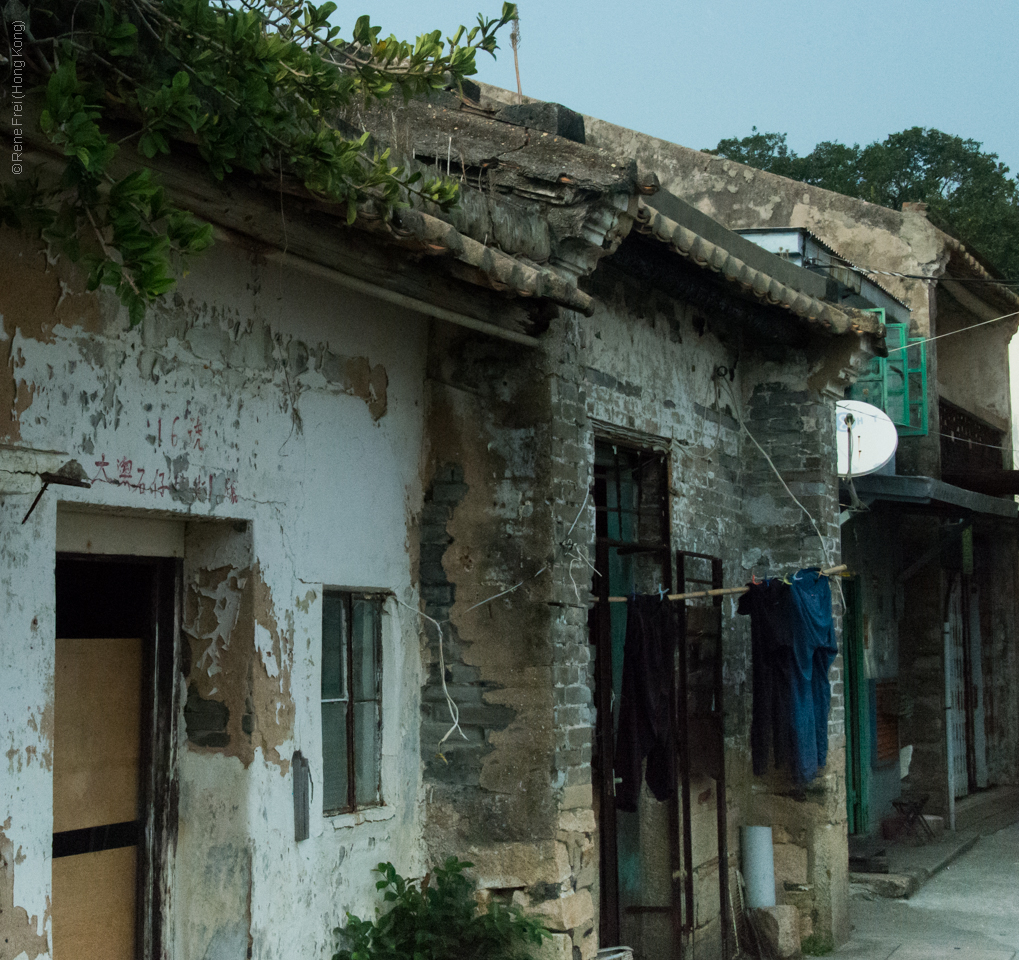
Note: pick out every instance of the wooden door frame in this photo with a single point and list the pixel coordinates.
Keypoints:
(599, 635)
(159, 789)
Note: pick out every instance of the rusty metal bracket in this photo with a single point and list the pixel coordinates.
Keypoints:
(71, 474)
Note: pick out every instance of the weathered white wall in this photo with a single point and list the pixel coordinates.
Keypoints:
(257, 395)
(973, 366)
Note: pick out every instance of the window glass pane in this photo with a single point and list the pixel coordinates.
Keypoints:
(366, 753)
(334, 656)
(334, 756)
(364, 638)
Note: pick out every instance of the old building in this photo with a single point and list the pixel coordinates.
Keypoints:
(315, 567)
(932, 648)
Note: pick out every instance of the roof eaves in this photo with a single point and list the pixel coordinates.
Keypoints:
(429, 235)
(755, 282)
(971, 264)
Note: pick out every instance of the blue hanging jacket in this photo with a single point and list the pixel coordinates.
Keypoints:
(814, 649)
(793, 646)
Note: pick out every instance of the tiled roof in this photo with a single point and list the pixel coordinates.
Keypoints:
(488, 265)
(757, 283)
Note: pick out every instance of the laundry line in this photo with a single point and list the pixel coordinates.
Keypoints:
(830, 572)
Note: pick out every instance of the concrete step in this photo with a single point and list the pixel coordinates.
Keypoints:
(901, 886)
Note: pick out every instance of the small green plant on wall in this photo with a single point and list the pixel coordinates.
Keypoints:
(437, 918)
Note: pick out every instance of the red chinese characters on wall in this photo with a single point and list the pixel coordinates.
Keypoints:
(184, 434)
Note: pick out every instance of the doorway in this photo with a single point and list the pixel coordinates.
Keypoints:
(858, 733)
(113, 781)
(633, 555)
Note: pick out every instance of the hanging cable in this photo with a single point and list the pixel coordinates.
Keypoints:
(739, 417)
(951, 333)
(569, 548)
(843, 262)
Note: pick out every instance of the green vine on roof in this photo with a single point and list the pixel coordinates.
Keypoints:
(253, 85)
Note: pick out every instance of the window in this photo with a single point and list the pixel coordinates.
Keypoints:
(351, 701)
(897, 383)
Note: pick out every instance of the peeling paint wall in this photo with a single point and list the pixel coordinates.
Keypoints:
(26, 727)
(280, 419)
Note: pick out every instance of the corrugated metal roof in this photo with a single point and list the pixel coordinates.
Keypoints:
(752, 281)
(831, 251)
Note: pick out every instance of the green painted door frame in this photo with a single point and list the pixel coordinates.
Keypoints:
(857, 711)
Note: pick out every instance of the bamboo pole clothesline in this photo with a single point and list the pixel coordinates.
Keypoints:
(831, 571)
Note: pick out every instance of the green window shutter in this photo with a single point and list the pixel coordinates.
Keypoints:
(870, 387)
(897, 383)
(896, 379)
(916, 373)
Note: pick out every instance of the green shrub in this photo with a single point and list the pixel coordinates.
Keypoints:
(435, 919)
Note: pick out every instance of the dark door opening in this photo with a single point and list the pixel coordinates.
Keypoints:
(632, 555)
(113, 783)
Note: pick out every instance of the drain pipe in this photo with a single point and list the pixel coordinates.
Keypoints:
(949, 738)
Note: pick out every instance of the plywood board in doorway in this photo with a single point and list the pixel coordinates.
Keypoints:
(94, 905)
(97, 732)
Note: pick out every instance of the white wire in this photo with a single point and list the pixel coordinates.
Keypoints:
(952, 333)
(781, 479)
(454, 710)
(587, 496)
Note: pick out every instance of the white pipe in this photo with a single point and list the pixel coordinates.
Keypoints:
(400, 299)
(759, 866)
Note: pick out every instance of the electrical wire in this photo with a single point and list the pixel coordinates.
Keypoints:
(843, 262)
(569, 548)
(937, 433)
(952, 333)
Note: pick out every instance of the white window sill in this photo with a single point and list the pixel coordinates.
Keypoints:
(342, 821)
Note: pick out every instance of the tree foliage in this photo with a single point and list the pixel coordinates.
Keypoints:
(436, 919)
(252, 85)
(967, 189)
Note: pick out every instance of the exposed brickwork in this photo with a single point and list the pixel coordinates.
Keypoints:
(460, 759)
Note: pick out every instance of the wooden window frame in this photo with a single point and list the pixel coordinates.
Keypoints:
(347, 599)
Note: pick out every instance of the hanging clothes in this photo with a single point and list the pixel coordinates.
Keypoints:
(816, 648)
(645, 715)
(766, 604)
(793, 646)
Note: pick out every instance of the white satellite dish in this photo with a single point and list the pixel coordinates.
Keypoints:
(874, 437)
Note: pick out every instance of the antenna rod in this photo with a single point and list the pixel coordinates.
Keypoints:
(515, 41)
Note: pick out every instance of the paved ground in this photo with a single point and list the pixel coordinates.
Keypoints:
(969, 911)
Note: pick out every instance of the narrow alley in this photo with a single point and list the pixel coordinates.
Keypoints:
(967, 911)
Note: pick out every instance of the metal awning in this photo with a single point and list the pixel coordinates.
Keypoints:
(928, 491)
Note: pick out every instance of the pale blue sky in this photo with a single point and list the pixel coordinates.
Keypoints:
(695, 71)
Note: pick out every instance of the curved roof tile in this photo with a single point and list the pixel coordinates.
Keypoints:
(762, 286)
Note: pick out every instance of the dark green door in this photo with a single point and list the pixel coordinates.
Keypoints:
(857, 710)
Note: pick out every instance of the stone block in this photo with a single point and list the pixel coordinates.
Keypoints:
(566, 913)
(507, 866)
(577, 821)
(559, 946)
(577, 798)
(780, 927)
(586, 941)
(790, 864)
